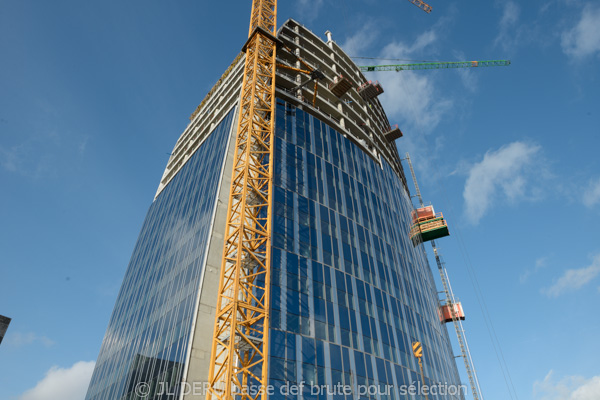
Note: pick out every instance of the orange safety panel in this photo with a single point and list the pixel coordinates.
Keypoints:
(446, 313)
(423, 214)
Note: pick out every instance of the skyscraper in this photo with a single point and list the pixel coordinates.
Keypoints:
(349, 290)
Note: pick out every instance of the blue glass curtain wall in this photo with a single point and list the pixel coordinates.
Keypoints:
(149, 331)
(349, 291)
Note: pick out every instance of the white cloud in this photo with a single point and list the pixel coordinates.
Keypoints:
(568, 388)
(410, 98)
(34, 157)
(540, 263)
(357, 44)
(308, 9)
(424, 40)
(583, 39)
(574, 279)
(10, 158)
(19, 339)
(505, 170)
(508, 33)
(468, 78)
(63, 383)
(83, 146)
(591, 194)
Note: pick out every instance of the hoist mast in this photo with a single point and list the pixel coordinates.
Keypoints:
(241, 336)
(454, 316)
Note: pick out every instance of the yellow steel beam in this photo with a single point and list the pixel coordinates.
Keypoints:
(241, 335)
(422, 5)
(293, 68)
(293, 53)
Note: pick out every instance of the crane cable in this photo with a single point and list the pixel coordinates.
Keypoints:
(472, 275)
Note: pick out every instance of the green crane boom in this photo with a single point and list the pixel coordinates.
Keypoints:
(435, 65)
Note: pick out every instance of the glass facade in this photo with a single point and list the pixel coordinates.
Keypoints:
(149, 332)
(349, 291)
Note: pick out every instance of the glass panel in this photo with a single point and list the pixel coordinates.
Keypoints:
(351, 228)
(148, 333)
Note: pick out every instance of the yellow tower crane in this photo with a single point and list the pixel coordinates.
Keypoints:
(239, 354)
(241, 336)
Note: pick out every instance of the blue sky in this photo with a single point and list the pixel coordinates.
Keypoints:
(93, 97)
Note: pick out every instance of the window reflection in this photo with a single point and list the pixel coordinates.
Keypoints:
(361, 299)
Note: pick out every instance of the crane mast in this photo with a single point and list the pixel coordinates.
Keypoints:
(239, 354)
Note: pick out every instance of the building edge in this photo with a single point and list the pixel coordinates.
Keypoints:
(197, 360)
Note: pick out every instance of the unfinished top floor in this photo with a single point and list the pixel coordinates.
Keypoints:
(345, 98)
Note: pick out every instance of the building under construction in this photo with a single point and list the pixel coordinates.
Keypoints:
(342, 274)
